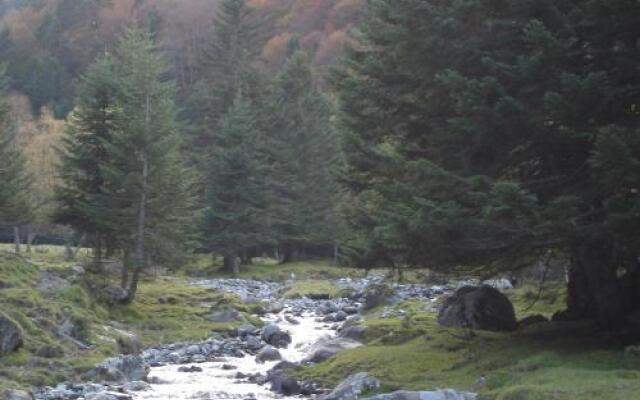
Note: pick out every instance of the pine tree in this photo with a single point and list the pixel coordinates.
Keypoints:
(235, 216)
(90, 127)
(16, 206)
(152, 204)
(494, 149)
(227, 66)
(303, 151)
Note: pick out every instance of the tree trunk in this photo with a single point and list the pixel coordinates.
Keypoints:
(126, 266)
(29, 238)
(140, 257)
(289, 253)
(79, 245)
(232, 265)
(336, 253)
(97, 254)
(594, 290)
(16, 238)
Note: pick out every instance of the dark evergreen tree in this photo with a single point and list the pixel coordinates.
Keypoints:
(303, 152)
(235, 215)
(227, 67)
(16, 206)
(90, 127)
(152, 205)
(486, 134)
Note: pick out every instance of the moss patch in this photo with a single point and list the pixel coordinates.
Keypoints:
(547, 361)
(154, 319)
(313, 289)
(270, 270)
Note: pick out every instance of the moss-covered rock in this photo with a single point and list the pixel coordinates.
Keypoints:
(10, 335)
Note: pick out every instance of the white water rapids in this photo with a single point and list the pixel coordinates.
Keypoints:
(214, 382)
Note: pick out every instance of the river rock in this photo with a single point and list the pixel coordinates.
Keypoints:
(108, 396)
(354, 332)
(253, 343)
(328, 307)
(273, 335)
(190, 369)
(10, 394)
(351, 310)
(376, 295)
(268, 353)
(129, 344)
(227, 315)
(115, 295)
(246, 330)
(120, 370)
(291, 320)
(327, 348)
(282, 383)
(478, 307)
(340, 316)
(446, 394)
(137, 386)
(10, 335)
(353, 387)
(274, 308)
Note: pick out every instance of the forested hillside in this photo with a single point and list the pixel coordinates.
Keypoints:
(397, 194)
(49, 43)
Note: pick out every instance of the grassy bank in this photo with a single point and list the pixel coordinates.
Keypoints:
(167, 309)
(269, 270)
(543, 362)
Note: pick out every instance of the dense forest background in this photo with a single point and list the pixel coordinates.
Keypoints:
(474, 135)
(49, 43)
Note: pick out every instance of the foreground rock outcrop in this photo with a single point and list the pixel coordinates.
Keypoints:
(353, 387)
(10, 335)
(447, 394)
(120, 370)
(478, 307)
(325, 349)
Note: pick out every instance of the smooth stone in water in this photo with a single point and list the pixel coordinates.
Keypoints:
(268, 353)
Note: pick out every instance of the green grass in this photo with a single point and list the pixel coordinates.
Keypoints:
(548, 361)
(270, 270)
(39, 314)
(312, 288)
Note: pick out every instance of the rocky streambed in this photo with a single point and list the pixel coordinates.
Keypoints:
(253, 364)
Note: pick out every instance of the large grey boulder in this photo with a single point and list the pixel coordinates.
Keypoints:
(353, 387)
(129, 344)
(227, 315)
(120, 370)
(10, 335)
(282, 383)
(115, 295)
(11, 394)
(327, 348)
(246, 330)
(268, 353)
(478, 307)
(106, 395)
(446, 394)
(273, 335)
(354, 332)
(376, 295)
